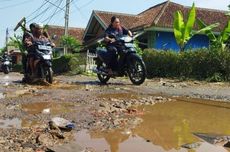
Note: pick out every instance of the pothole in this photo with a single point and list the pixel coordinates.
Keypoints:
(48, 107)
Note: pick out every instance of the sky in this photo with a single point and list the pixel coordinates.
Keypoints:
(11, 11)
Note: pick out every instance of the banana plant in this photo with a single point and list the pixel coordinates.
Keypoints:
(217, 40)
(183, 31)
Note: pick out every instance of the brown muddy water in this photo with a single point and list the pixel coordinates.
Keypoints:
(48, 107)
(52, 108)
(165, 127)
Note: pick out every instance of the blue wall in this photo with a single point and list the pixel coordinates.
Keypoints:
(167, 41)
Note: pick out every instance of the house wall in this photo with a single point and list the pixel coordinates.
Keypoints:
(167, 41)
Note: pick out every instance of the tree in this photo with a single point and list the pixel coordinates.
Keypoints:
(183, 31)
(16, 41)
(219, 41)
(2, 50)
(71, 43)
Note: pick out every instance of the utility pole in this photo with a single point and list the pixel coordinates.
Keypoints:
(7, 39)
(66, 22)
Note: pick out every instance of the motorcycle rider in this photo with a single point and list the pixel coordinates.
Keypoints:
(28, 33)
(114, 30)
(37, 34)
(5, 56)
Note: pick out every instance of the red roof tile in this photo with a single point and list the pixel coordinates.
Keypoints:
(161, 15)
(59, 32)
(126, 19)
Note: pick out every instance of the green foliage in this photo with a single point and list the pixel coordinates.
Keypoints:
(16, 41)
(183, 31)
(216, 41)
(69, 63)
(2, 50)
(217, 77)
(101, 45)
(71, 43)
(138, 49)
(199, 64)
(17, 68)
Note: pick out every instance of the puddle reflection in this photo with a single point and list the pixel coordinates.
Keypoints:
(10, 123)
(47, 107)
(165, 128)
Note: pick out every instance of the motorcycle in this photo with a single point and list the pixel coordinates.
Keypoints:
(129, 63)
(6, 64)
(42, 53)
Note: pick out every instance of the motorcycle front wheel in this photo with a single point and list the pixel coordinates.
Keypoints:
(49, 75)
(102, 78)
(137, 71)
(6, 70)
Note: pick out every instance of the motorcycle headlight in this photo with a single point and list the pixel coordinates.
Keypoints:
(129, 45)
(7, 62)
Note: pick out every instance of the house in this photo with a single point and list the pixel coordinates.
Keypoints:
(56, 32)
(156, 23)
(15, 54)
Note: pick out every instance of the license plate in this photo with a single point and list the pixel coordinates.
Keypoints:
(6, 62)
(47, 57)
(44, 47)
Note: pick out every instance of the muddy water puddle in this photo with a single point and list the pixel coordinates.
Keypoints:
(166, 127)
(10, 123)
(18, 123)
(48, 107)
(52, 108)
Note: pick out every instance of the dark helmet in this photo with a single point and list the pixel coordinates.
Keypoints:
(32, 25)
(113, 19)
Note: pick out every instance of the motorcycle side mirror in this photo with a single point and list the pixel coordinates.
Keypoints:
(54, 37)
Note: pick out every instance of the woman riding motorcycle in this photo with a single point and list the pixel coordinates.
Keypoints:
(115, 29)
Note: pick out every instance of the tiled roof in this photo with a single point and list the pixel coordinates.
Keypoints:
(59, 32)
(161, 15)
(127, 19)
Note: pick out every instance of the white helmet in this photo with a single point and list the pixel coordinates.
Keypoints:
(39, 25)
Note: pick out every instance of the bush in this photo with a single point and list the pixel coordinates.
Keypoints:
(69, 63)
(199, 64)
(17, 68)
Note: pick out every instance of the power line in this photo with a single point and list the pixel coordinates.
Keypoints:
(79, 10)
(46, 13)
(38, 9)
(5, 0)
(15, 5)
(54, 13)
(86, 4)
(41, 13)
(60, 9)
(55, 5)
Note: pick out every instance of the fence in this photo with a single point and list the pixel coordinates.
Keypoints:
(90, 63)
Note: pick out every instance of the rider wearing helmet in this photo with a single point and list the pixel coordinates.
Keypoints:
(36, 34)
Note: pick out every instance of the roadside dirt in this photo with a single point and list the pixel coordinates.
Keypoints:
(118, 108)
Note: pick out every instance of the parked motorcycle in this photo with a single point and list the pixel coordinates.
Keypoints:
(42, 53)
(130, 64)
(6, 65)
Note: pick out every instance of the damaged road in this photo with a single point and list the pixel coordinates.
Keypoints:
(160, 115)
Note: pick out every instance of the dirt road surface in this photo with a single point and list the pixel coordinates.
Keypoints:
(110, 117)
